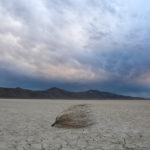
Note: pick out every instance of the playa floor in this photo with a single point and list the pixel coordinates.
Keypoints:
(120, 125)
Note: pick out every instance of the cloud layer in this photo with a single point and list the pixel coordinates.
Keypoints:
(89, 42)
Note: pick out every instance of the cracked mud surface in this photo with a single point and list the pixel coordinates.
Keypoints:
(120, 125)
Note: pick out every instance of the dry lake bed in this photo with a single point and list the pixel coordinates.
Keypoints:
(120, 125)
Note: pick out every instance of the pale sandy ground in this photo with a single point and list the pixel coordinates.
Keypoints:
(121, 125)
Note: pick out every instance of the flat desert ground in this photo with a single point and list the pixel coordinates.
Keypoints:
(120, 125)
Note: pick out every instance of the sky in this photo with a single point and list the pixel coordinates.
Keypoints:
(76, 45)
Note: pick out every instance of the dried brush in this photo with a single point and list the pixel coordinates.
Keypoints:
(76, 116)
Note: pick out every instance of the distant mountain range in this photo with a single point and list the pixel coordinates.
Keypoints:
(56, 93)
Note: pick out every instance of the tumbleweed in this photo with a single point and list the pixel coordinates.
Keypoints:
(76, 116)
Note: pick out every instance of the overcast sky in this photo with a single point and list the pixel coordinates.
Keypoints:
(76, 45)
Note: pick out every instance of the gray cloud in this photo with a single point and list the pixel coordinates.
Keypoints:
(76, 41)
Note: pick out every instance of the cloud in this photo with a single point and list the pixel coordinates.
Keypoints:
(48, 46)
(143, 79)
(76, 41)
